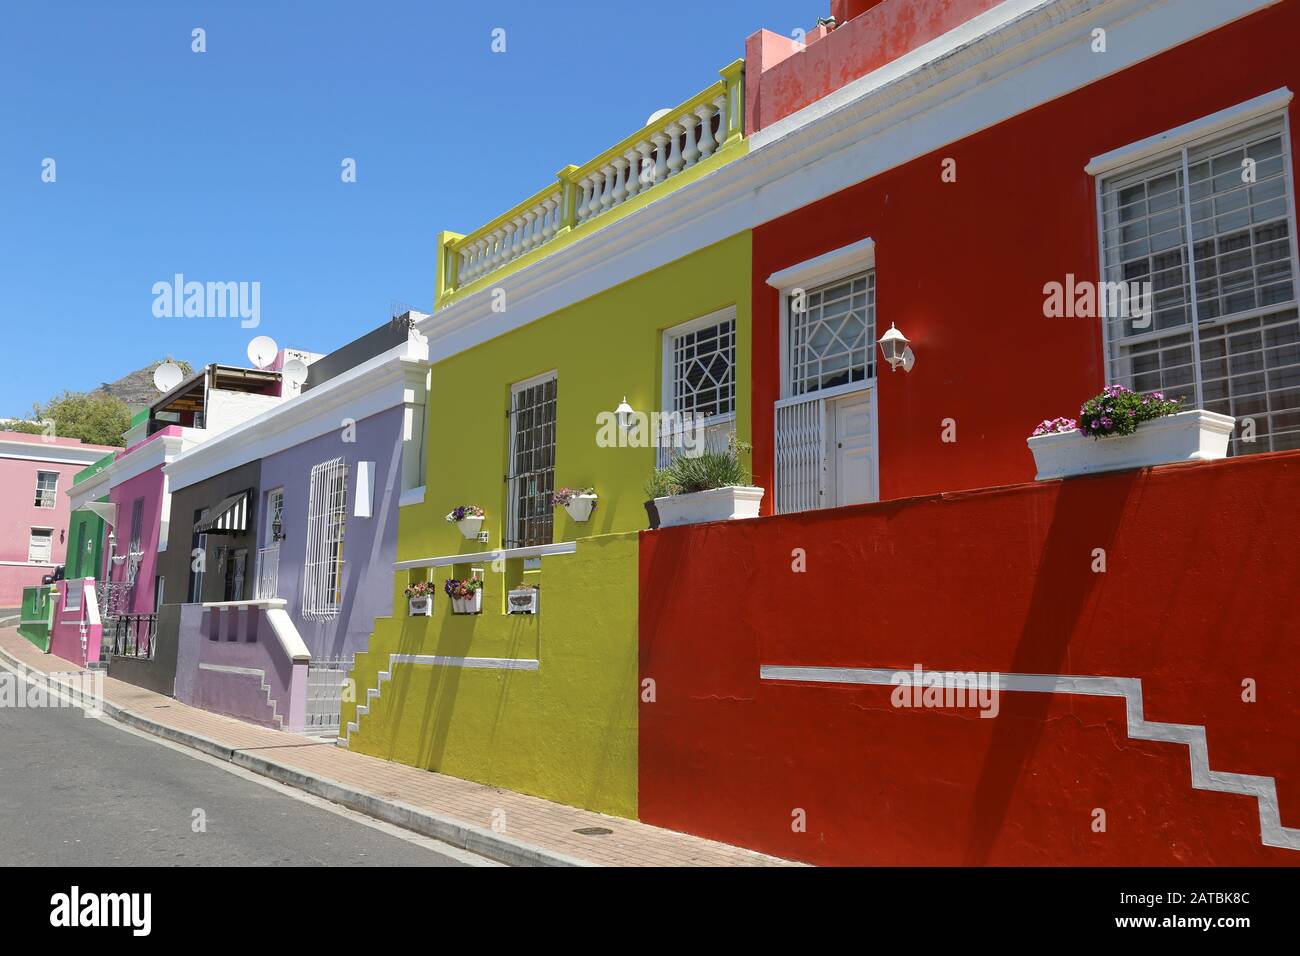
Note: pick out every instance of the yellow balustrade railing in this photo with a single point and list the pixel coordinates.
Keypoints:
(676, 147)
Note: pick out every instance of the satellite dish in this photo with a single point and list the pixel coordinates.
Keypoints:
(656, 116)
(167, 376)
(262, 351)
(294, 372)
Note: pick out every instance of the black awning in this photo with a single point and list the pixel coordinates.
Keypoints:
(229, 517)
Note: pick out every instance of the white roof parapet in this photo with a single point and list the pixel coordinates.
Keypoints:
(367, 389)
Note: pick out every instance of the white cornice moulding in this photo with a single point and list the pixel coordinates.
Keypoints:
(1011, 59)
(836, 264)
(374, 386)
(157, 453)
(55, 454)
(1179, 136)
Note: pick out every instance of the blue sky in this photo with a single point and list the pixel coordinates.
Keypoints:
(225, 165)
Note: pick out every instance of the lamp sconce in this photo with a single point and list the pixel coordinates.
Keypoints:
(625, 415)
(893, 348)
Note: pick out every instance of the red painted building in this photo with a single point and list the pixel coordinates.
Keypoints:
(972, 159)
(956, 244)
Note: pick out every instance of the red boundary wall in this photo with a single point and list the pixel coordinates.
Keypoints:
(1198, 595)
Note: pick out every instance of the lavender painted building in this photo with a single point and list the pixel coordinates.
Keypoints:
(316, 538)
(334, 617)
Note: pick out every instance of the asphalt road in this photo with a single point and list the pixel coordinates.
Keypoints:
(78, 791)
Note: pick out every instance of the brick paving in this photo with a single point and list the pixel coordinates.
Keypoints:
(531, 820)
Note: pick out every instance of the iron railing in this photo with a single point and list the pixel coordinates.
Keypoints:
(268, 572)
(130, 635)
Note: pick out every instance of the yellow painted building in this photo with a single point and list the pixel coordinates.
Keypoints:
(547, 703)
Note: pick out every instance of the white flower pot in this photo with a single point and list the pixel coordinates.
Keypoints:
(469, 605)
(522, 601)
(716, 504)
(469, 527)
(579, 508)
(420, 606)
(1195, 435)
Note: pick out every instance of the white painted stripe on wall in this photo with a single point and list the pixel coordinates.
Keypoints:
(1263, 789)
(229, 669)
(438, 660)
(431, 660)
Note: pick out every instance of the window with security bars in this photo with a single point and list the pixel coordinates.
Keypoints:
(832, 336)
(47, 486)
(700, 384)
(532, 462)
(322, 593)
(137, 526)
(40, 545)
(1214, 217)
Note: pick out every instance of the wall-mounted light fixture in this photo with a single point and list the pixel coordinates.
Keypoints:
(894, 350)
(624, 414)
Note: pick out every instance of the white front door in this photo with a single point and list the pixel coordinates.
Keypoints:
(851, 472)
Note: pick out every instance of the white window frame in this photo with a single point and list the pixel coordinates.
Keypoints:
(268, 534)
(194, 582)
(828, 269)
(323, 565)
(136, 543)
(49, 556)
(1177, 143)
(668, 391)
(39, 499)
(512, 496)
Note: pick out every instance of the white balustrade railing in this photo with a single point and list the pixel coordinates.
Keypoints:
(536, 225)
(664, 150)
(675, 143)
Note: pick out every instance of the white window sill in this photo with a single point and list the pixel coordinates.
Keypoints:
(413, 496)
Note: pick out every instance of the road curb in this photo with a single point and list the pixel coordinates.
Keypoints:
(484, 842)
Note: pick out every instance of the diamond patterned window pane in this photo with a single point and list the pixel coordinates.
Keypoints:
(1247, 328)
(704, 370)
(832, 340)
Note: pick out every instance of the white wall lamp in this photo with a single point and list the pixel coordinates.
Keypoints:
(894, 350)
(624, 415)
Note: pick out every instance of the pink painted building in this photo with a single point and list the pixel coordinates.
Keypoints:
(35, 473)
(134, 497)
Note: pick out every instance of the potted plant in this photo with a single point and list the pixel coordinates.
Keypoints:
(1121, 429)
(522, 599)
(466, 596)
(468, 518)
(712, 486)
(578, 502)
(419, 599)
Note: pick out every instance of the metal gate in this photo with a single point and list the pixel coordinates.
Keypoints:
(326, 683)
(800, 454)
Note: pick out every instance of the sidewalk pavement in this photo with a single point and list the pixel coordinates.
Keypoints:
(537, 832)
